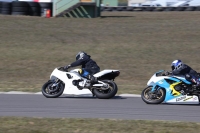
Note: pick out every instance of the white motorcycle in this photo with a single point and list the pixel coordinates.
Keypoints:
(70, 82)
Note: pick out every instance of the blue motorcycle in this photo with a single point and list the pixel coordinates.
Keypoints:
(170, 89)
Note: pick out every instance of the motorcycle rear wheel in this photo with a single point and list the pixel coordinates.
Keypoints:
(48, 94)
(106, 94)
(159, 96)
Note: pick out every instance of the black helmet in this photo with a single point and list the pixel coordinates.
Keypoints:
(80, 55)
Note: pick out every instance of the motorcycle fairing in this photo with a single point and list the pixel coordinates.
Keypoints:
(69, 87)
(101, 73)
(184, 99)
(182, 78)
(170, 91)
(172, 96)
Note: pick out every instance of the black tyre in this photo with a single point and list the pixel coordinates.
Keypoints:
(149, 8)
(52, 92)
(153, 97)
(102, 8)
(19, 9)
(34, 14)
(169, 9)
(179, 8)
(5, 12)
(190, 8)
(0, 6)
(197, 8)
(106, 94)
(108, 9)
(114, 8)
(33, 4)
(34, 9)
(159, 9)
(129, 8)
(19, 4)
(45, 5)
(138, 9)
(121, 8)
(5, 4)
(42, 9)
(6, 9)
(19, 13)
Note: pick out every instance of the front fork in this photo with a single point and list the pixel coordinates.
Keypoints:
(55, 85)
(154, 91)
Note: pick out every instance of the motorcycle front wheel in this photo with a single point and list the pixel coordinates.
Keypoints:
(50, 91)
(108, 93)
(150, 97)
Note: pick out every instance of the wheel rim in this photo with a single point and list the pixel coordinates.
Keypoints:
(109, 90)
(48, 88)
(157, 95)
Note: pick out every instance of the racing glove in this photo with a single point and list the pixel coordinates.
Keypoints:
(67, 67)
(168, 73)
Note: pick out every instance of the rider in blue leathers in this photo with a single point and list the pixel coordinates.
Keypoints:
(178, 68)
(89, 66)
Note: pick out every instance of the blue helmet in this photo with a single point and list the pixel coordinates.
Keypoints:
(176, 64)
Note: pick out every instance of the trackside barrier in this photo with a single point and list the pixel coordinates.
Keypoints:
(149, 9)
(57, 8)
(25, 8)
(5, 8)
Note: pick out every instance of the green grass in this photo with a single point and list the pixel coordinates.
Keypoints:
(136, 43)
(64, 125)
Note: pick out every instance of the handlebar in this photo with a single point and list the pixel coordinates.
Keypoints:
(62, 69)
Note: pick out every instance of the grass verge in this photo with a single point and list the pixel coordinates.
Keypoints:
(64, 125)
(136, 43)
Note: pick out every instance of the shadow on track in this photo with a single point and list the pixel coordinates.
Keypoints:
(181, 104)
(89, 97)
(116, 16)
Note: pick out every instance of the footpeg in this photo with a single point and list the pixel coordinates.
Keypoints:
(76, 83)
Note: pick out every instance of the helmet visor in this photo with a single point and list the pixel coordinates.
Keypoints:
(77, 57)
(173, 67)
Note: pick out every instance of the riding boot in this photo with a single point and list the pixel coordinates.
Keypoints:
(92, 79)
(198, 82)
(76, 83)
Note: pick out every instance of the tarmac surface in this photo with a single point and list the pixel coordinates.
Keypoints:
(127, 107)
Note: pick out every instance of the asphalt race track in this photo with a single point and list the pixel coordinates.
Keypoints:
(34, 105)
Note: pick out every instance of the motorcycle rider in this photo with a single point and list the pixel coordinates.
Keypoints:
(179, 68)
(89, 66)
